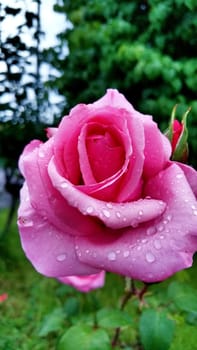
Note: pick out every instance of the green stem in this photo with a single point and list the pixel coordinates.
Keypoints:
(130, 291)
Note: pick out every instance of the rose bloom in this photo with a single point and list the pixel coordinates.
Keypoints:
(101, 194)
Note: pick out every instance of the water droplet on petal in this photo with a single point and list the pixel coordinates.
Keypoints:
(118, 214)
(151, 230)
(25, 222)
(61, 257)
(106, 213)
(157, 244)
(112, 256)
(64, 185)
(195, 212)
(169, 217)
(109, 205)
(150, 258)
(179, 176)
(126, 253)
(89, 210)
(160, 228)
(140, 212)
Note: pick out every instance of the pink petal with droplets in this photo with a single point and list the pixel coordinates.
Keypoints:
(155, 250)
(51, 250)
(113, 215)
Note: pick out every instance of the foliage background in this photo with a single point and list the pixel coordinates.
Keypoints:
(146, 49)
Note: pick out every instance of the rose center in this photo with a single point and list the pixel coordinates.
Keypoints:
(105, 152)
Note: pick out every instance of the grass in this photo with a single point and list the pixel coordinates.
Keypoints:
(39, 310)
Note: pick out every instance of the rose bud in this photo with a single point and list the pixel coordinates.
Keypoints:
(178, 136)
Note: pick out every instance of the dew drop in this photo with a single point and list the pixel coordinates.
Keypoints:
(169, 217)
(144, 241)
(25, 222)
(160, 228)
(150, 258)
(140, 212)
(109, 205)
(112, 256)
(64, 185)
(106, 213)
(151, 230)
(61, 257)
(118, 214)
(89, 210)
(126, 253)
(195, 212)
(157, 244)
(179, 176)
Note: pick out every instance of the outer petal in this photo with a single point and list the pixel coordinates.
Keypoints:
(113, 215)
(191, 175)
(114, 98)
(157, 149)
(155, 250)
(85, 283)
(45, 199)
(51, 251)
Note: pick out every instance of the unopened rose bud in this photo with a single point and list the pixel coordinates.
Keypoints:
(177, 133)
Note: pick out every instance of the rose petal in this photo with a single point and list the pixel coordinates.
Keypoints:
(117, 100)
(155, 250)
(51, 251)
(105, 142)
(157, 149)
(45, 199)
(85, 283)
(113, 215)
(191, 175)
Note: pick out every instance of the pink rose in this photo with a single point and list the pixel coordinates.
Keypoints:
(102, 194)
(85, 283)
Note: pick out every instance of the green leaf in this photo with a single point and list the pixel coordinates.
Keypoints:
(184, 296)
(156, 330)
(51, 322)
(84, 338)
(113, 318)
(72, 306)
